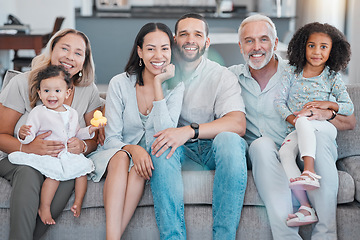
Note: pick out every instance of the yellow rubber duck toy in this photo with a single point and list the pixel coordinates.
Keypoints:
(98, 119)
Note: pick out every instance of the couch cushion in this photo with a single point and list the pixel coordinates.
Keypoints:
(5, 191)
(346, 192)
(346, 139)
(198, 190)
(8, 76)
(352, 166)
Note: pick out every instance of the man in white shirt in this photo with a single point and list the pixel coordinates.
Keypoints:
(211, 124)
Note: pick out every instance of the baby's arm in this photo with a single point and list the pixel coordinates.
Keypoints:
(92, 128)
(24, 131)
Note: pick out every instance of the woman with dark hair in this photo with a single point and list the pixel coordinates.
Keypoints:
(140, 102)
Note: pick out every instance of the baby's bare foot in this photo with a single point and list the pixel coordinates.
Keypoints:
(45, 216)
(76, 209)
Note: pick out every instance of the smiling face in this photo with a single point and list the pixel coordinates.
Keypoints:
(256, 44)
(191, 40)
(318, 48)
(53, 92)
(69, 52)
(155, 52)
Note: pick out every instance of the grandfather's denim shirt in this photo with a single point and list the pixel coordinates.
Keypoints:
(261, 117)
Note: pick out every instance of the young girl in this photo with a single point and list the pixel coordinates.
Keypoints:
(54, 86)
(317, 53)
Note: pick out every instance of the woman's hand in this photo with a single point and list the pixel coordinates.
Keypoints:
(167, 72)
(142, 161)
(75, 145)
(44, 147)
(101, 137)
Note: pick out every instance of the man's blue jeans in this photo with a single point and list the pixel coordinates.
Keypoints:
(226, 154)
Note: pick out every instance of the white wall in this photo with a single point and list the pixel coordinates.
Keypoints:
(6, 7)
(324, 11)
(39, 14)
(354, 35)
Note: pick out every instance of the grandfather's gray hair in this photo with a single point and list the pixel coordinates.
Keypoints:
(258, 18)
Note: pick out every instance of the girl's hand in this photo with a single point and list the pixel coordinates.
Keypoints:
(167, 72)
(75, 145)
(322, 105)
(44, 147)
(24, 131)
(142, 161)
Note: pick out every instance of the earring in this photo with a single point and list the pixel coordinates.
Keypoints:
(140, 63)
(80, 74)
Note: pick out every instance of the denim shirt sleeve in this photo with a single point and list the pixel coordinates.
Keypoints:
(167, 111)
(346, 106)
(282, 96)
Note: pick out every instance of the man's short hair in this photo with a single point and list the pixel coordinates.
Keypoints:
(258, 18)
(196, 16)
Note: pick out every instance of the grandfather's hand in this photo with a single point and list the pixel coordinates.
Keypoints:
(314, 114)
(170, 138)
(45, 147)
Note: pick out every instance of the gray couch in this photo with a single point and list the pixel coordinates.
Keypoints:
(254, 223)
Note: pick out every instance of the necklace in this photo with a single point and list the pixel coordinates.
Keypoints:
(148, 108)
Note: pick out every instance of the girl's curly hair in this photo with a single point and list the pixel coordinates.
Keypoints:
(340, 51)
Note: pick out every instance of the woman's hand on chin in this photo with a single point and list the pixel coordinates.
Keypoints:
(167, 72)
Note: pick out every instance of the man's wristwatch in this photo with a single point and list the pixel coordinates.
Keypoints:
(333, 115)
(195, 126)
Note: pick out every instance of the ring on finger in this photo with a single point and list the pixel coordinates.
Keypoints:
(311, 113)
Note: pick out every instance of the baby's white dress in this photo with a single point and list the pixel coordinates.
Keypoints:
(64, 125)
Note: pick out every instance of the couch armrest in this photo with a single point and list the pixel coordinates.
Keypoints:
(351, 165)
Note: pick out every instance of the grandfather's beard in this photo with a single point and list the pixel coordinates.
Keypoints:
(267, 59)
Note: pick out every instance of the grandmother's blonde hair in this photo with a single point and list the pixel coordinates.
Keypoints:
(43, 60)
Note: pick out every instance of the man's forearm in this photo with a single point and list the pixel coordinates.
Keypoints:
(231, 122)
(342, 122)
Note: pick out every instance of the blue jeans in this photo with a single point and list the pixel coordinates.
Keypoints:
(226, 154)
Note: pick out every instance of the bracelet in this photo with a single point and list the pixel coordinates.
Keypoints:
(127, 153)
(334, 114)
(85, 146)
